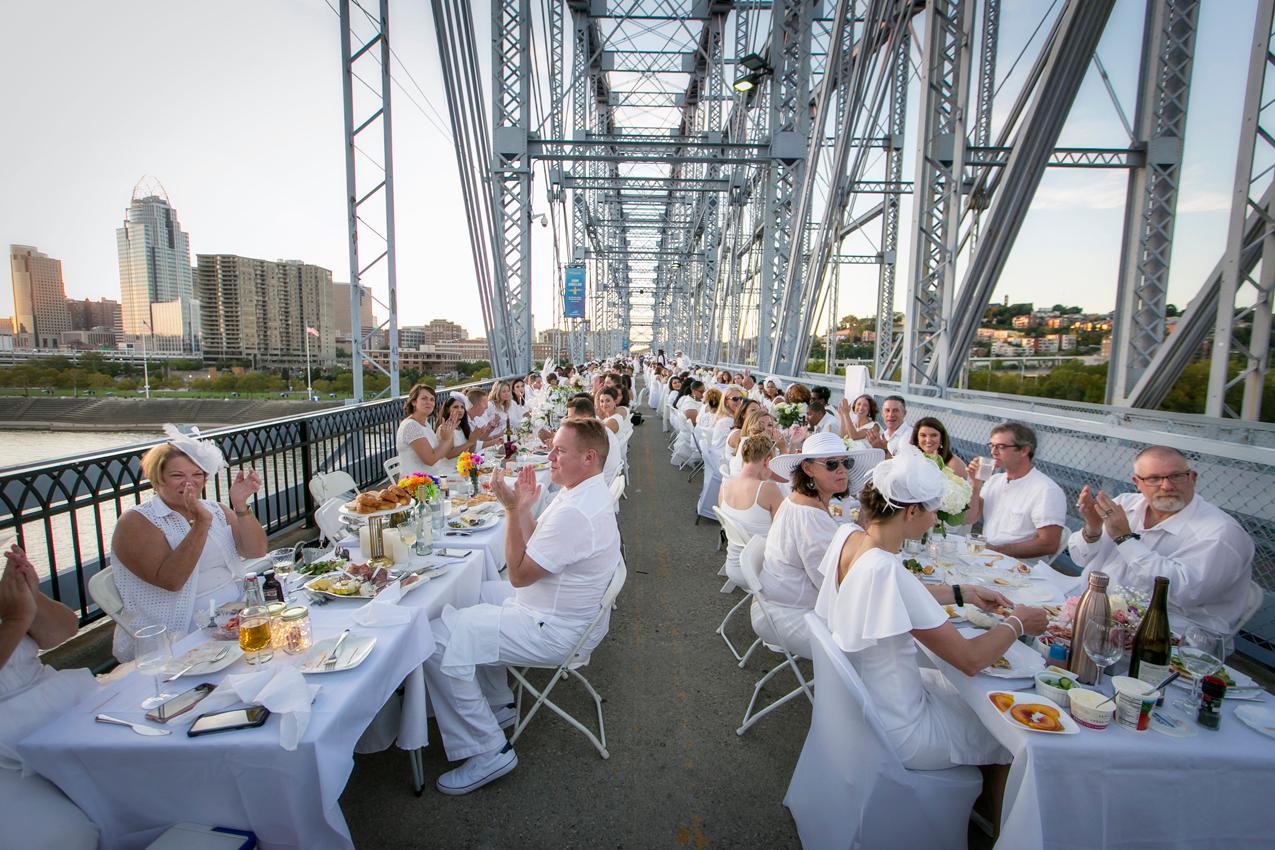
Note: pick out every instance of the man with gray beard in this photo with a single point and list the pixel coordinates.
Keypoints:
(1165, 529)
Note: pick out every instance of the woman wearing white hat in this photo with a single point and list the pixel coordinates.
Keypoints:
(875, 609)
(800, 534)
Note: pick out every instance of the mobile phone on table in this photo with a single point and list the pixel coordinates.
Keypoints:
(179, 704)
(228, 721)
(452, 553)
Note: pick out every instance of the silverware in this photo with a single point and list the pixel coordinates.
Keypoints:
(139, 728)
(330, 661)
(317, 598)
(189, 667)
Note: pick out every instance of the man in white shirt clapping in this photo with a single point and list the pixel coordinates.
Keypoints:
(894, 410)
(1023, 511)
(1165, 529)
(558, 568)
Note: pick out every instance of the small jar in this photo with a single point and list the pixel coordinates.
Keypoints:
(1212, 691)
(295, 632)
(275, 609)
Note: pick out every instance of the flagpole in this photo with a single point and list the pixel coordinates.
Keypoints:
(146, 374)
(309, 390)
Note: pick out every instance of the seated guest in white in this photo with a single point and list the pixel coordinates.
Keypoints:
(800, 534)
(1023, 511)
(582, 407)
(772, 391)
(559, 567)
(178, 553)
(500, 402)
(930, 436)
(691, 401)
(418, 443)
(465, 437)
(877, 612)
(1165, 529)
(732, 399)
(607, 403)
(751, 390)
(819, 420)
(759, 421)
(743, 410)
(36, 814)
(858, 419)
(518, 403)
(481, 412)
(708, 413)
(897, 432)
(750, 497)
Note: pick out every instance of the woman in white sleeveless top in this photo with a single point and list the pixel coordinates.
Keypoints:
(417, 441)
(607, 403)
(177, 553)
(750, 497)
(34, 812)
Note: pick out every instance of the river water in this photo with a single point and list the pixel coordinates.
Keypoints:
(24, 447)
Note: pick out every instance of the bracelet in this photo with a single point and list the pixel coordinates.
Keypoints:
(241, 513)
(1088, 539)
(1007, 625)
(1022, 630)
(957, 595)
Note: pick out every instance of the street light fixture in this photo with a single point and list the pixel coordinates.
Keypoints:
(757, 70)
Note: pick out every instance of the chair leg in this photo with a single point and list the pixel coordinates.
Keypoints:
(721, 630)
(542, 698)
(418, 770)
(750, 718)
(749, 654)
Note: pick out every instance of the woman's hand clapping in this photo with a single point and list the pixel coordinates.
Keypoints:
(17, 602)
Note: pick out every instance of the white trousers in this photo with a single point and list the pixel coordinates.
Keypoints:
(464, 705)
(790, 631)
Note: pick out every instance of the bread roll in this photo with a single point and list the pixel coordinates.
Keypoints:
(368, 500)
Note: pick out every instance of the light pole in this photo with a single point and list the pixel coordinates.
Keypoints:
(146, 374)
(309, 389)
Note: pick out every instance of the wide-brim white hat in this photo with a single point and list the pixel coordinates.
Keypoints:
(825, 445)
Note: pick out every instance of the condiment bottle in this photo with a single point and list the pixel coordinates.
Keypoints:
(1093, 603)
(252, 591)
(271, 589)
(1212, 691)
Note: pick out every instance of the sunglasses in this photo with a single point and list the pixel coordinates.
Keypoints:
(832, 463)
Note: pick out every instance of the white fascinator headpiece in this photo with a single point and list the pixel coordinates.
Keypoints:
(909, 478)
(204, 453)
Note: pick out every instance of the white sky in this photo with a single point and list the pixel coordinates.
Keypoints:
(235, 107)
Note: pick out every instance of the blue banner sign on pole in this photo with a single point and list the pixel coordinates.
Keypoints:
(573, 293)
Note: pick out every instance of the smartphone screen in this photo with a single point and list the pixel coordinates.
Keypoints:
(180, 704)
(238, 718)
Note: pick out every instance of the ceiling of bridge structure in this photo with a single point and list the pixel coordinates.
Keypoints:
(722, 168)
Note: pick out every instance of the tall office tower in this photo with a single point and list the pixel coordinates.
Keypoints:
(87, 314)
(259, 310)
(39, 298)
(341, 303)
(156, 280)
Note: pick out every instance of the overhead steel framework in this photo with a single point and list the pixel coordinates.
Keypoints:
(715, 164)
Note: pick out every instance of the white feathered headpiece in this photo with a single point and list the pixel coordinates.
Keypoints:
(204, 453)
(909, 478)
(548, 367)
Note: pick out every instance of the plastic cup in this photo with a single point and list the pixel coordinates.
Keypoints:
(1134, 702)
(986, 466)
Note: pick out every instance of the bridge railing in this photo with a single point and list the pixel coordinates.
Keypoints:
(63, 512)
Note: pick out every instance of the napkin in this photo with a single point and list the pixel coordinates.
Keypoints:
(281, 689)
(384, 609)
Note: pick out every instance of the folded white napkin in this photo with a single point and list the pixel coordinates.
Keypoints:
(280, 688)
(384, 610)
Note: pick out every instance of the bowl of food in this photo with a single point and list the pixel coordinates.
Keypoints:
(224, 623)
(1090, 708)
(1054, 685)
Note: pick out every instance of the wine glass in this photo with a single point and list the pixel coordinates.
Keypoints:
(154, 653)
(1201, 650)
(1103, 641)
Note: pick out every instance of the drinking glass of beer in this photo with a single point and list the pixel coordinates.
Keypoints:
(254, 634)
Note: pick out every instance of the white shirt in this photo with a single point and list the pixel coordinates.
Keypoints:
(1013, 510)
(491, 414)
(410, 463)
(795, 546)
(827, 425)
(577, 541)
(1204, 553)
(894, 442)
(721, 430)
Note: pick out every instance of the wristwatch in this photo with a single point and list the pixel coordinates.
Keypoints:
(244, 512)
(1130, 536)
(957, 595)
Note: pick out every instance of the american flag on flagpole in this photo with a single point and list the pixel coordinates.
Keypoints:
(311, 331)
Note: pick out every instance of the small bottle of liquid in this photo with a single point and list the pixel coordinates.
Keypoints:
(1212, 691)
(252, 594)
(271, 588)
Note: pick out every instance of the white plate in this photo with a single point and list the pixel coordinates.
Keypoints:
(1069, 725)
(1259, 718)
(1243, 682)
(1025, 663)
(203, 655)
(353, 652)
(485, 521)
(1037, 592)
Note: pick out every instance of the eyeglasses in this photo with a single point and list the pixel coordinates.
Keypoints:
(832, 463)
(1000, 447)
(1172, 478)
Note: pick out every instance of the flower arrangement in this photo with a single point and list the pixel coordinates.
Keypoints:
(956, 496)
(788, 413)
(1128, 607)
(469, 463)
(424, 488)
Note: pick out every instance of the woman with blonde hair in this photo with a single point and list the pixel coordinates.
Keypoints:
(759, 421)
(751, 496)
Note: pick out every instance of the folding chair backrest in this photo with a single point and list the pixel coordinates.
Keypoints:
(735, 535)
(392, 466)
(617, 489)
(618, 578)
(328, 485)
(328, 519)
(102, 590)
(1253, 604)
(751, 560)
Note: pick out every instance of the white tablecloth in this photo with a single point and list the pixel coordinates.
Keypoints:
(1116, 788)
(133, 787)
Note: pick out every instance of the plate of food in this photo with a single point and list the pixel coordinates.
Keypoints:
(472, 521)
(205, 658)
(1238, 684)
(1032, 712)
(354, 650)
(377, 503)
(976, 617)
(925, 572)
(359, 581)
(1020, 661)
(322, 568)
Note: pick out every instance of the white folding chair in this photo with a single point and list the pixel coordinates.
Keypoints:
(617, 489)
(750, 563)
(106, 595)
(850, 788)
(735, 536)
(570, 666)
(328, 485)
(1252, 604)
(328, 518)
(392, 466)
(643, 395)
(697, 465)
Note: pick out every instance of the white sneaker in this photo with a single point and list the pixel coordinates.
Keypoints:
(506, 716)
(477, 772)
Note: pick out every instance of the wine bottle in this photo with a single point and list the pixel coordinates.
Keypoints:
(1093, 603)
(1151, 648)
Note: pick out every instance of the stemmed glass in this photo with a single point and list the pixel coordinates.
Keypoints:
(1201, 650)
(154, 653)
(1103, 641)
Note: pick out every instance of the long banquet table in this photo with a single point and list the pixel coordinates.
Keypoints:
(134, 787)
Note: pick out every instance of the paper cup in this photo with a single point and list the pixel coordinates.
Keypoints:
(1134, 701)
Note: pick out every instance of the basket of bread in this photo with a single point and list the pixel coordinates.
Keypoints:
(391, 498)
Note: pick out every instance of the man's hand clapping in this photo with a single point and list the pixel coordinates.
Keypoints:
(522, 495)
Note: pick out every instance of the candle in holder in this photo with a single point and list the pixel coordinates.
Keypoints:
(295, 632)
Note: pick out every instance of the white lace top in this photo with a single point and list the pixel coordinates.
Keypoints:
(212, 579)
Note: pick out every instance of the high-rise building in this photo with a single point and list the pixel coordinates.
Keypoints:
(39, 297)
(441, 330)
(259, 310)
(87, 314)
(341, 311)
(154, 255)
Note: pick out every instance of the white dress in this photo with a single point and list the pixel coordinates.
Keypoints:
(871, 617)
(34, 812)
(410, 463)
(212, 581)
(790, 577)
(754, 520)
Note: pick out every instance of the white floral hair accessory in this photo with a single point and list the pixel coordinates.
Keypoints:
(204, 453)
(909, 478)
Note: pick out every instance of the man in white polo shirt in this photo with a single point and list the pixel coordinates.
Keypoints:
(558, 568)
(1024, 510)
(897, 432)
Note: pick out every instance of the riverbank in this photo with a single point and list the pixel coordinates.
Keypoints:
(96, 414)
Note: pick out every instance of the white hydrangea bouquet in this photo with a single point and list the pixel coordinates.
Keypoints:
(788, 413)
(956, 497)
